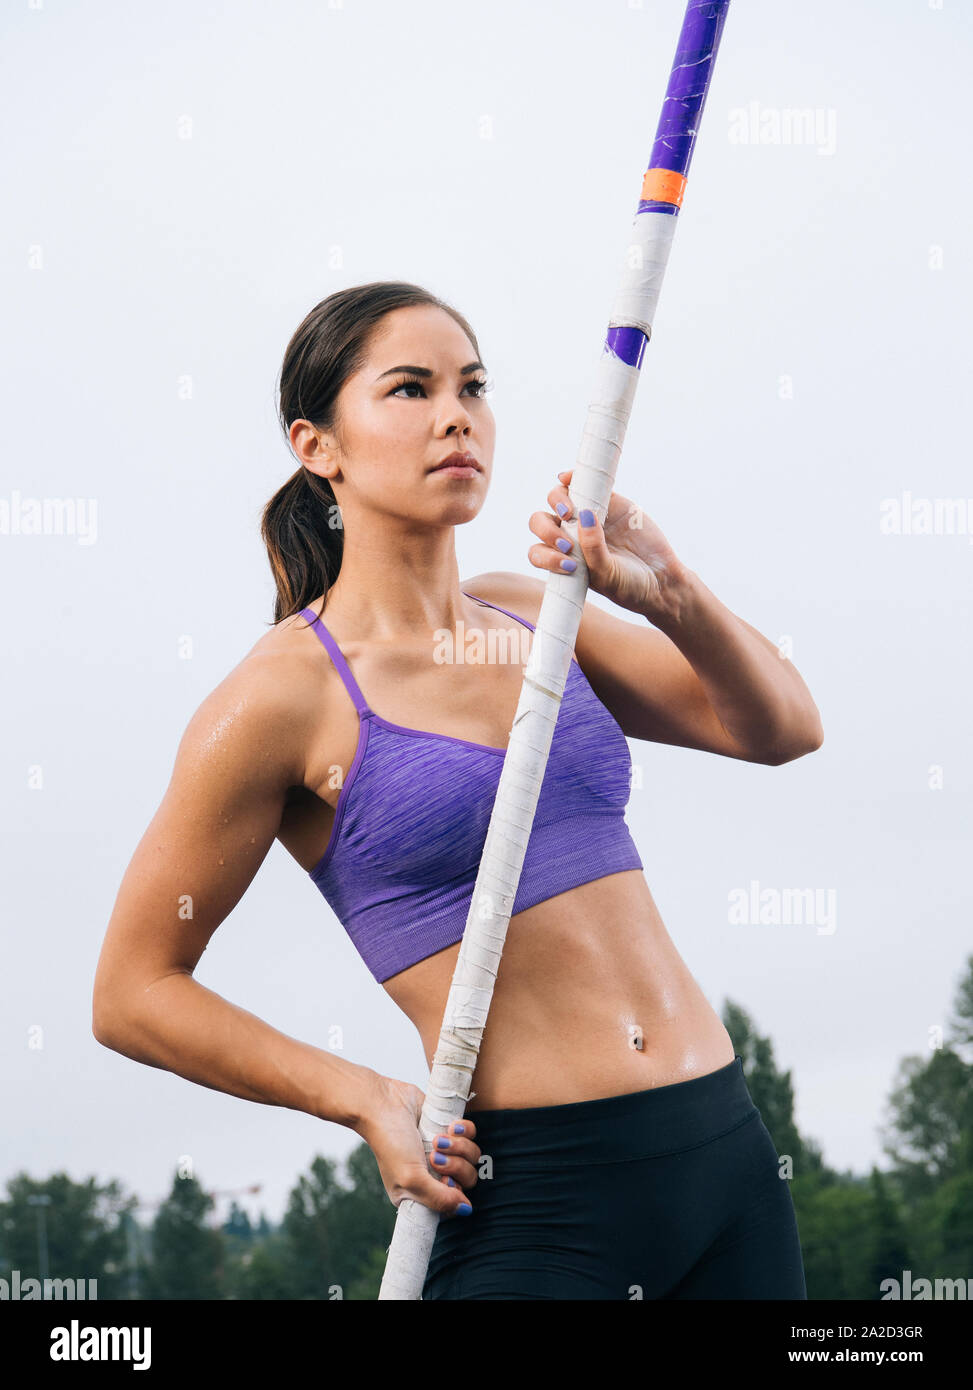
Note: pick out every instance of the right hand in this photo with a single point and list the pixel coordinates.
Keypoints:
(392, 1134)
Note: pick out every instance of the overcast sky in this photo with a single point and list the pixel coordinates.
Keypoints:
(185, 181)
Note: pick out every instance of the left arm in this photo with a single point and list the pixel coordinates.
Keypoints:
(705, 680)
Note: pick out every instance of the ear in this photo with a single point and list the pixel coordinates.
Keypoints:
(317, 452)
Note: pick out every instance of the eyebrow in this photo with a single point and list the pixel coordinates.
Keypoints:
(424, 371)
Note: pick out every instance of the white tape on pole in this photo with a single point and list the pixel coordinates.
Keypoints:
(545, 676)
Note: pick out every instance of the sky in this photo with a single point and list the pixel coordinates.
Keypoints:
(184, 182)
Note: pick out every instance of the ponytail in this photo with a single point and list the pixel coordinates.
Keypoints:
(301, 528)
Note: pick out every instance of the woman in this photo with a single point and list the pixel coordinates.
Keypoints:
(621, 1153)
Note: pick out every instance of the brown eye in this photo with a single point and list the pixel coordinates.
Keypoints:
(484, 385)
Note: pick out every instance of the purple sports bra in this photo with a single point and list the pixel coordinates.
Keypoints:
(412, 817)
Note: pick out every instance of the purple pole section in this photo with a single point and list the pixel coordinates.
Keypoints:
(628, 344)
(675, 136)
(688, 84)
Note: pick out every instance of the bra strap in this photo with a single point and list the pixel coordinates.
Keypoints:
(501, 610)
(341, 665)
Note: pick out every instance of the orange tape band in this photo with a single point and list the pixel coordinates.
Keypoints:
(663, 186)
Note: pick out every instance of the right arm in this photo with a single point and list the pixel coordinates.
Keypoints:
(241, 752)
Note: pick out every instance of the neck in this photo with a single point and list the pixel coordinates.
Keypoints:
(393, 589)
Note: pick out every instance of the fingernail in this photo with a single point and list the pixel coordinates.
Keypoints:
(569, 565)
(439, 1158)
(562, 544)
(442, 1142)
(586, 517)
(459, 1129)
(464, 1208)
(450, 1182)
(561, 509)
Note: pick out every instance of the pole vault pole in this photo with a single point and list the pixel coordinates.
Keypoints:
(546, 671)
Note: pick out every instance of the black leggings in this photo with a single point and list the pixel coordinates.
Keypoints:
(671, 1192)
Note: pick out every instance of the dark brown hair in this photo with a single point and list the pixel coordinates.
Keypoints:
(301, 524)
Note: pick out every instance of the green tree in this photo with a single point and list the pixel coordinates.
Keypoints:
(187, 1256)
(928, 1134)
(772, 1090)
(80, 1227)
(364, 1218)
(265, 1271)
(960, 1028)
(367, 1283)
(837, 1232)
(329, 1235)
(888, 1242)
(237, 1225)
(947, 1217)
(929, 1137)
(313, 1258)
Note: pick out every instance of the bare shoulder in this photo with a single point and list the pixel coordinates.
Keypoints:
(268, 706)
(604, 643)
(522, 594)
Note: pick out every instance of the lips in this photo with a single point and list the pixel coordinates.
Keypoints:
(458, 461)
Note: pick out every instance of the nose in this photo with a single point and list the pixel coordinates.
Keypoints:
(458, 419)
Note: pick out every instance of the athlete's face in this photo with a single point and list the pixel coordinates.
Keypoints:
(396, 424)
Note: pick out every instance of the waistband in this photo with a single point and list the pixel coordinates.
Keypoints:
(637, 1124)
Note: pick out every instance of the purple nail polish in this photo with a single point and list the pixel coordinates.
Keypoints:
(569, 565)
(563, 544)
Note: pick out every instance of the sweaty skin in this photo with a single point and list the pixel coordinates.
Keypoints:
(585, 977)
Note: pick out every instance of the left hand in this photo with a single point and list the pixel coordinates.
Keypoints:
(629, 559)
